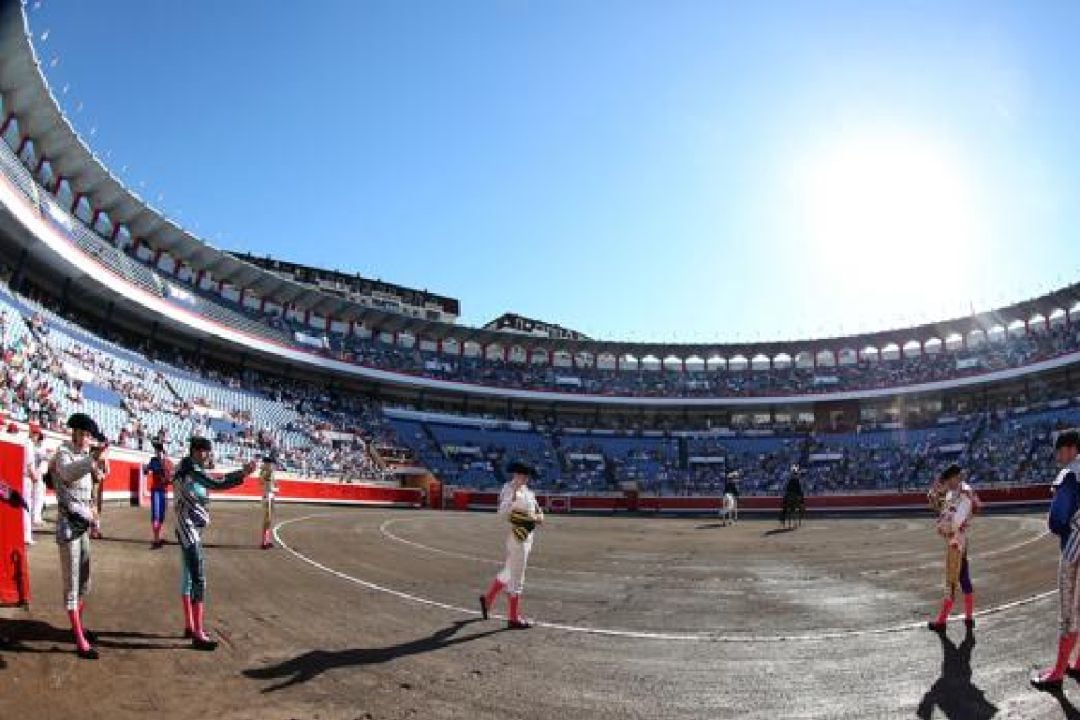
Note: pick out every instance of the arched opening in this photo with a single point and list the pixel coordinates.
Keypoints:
(912, 348)
(671, 363)
(650, 362)
(826, 358)
(870, 354)
(847, 356)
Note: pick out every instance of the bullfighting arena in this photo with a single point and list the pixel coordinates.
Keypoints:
(366, 613)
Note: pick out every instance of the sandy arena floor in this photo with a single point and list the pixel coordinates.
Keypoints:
(372, 614)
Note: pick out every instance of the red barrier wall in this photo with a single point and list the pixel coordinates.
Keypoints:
(1005, 496)
(327, 492)
(14, 567)
(125, 481)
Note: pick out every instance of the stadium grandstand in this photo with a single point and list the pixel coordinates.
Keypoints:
(180, 336)
(370, 398)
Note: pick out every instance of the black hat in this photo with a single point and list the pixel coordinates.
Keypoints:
(519, 467)
(200, 443)
(1067, 438)
(951, 471)
(82, 421)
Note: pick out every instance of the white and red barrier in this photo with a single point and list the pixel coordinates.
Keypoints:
(126, 481)
(1002, 497)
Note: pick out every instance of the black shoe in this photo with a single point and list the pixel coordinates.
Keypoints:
(936, 626)
(1074, 673)
(87, 654)
(157, 545)
(483, 607)
(1039, 683)
(204, 644)
(969, 623)
(521, 624)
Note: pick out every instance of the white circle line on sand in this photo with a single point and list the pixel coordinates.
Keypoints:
(636, 634)
(384, 529)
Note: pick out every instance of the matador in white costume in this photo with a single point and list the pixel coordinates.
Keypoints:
(518, 505)
(955, 503)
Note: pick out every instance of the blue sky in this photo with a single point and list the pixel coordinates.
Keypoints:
(663, 171)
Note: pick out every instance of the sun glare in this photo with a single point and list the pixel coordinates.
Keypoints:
(896, 205)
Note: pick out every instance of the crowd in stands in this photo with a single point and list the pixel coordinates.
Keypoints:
(140, 392)
(161, 275)
(997, 448)
(53, 367)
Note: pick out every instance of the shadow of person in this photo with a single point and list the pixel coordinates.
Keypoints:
(710, 526)
(953, 692)
(303, 668)
(777, 531)
(1069, 711)
(22, 632)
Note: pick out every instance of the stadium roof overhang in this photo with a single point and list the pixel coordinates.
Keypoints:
(27, 94)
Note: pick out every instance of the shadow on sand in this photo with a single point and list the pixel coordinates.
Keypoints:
(310, 665)
(18, 633)
(954, 692)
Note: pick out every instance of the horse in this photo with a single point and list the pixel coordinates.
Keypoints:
(729, 510)
(792, 511)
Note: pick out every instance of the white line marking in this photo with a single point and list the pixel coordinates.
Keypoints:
(638, 634)
(384, 529)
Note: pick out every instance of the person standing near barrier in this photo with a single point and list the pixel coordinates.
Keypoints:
(40, 467)
(78, 466)
(518, 505)
(269, 489)
(956, 504)
(1064, 521)
(160, 469)
(191, 489)
(729, 511)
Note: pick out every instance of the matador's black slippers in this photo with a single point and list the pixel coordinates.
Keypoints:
(935, 627)
(87, 654)
(521, 624)
(204, 644)
(1039, 681)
